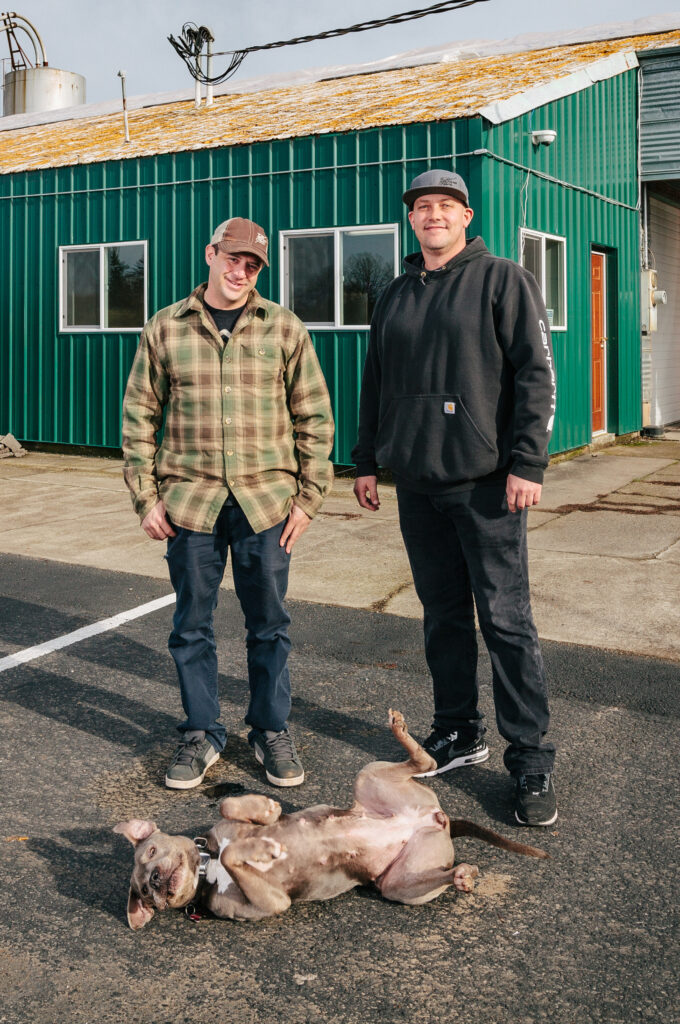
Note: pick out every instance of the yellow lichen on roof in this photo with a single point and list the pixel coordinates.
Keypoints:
(431, 92)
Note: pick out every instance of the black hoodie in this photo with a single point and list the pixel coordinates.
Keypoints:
(459, 383)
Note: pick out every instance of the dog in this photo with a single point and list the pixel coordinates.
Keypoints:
(257, 861)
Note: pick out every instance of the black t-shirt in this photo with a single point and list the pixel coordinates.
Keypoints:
(225, 319)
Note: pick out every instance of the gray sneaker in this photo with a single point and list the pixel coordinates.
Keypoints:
(190, 761)
(276, 751)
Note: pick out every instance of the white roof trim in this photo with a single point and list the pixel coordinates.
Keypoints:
(523, 102)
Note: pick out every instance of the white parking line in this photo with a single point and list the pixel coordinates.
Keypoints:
(30, 653)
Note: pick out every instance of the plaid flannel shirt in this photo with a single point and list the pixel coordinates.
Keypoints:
(250, 415)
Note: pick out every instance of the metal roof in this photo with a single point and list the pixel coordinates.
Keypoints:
(491, 86)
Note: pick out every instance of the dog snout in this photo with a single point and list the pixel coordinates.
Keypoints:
(155, 879)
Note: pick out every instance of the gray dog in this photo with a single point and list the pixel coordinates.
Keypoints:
(256, 861)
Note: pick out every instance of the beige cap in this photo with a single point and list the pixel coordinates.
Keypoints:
(241, 235)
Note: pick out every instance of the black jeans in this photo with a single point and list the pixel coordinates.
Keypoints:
(260, 569)
(466, 549)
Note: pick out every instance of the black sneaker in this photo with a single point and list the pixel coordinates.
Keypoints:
(190, 761)
(535, 802)
(276, 751)
(453, 751)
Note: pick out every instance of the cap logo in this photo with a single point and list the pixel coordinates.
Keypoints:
(448, 181)
(261, 239)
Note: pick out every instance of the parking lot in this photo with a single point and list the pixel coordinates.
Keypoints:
(87, 729)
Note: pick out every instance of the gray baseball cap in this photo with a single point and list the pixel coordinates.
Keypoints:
(447, 182)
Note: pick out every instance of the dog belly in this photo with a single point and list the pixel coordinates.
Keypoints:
(381, 840)
(324, 885)
(394, 830)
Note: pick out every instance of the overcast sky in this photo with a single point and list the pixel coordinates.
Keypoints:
(96, 40)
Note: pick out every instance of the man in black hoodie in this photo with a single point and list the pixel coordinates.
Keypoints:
(458, 401)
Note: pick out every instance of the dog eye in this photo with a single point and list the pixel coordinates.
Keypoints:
(145, 890)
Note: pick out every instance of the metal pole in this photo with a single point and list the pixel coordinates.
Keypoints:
(645, 227)
(209, 88)
(197, 87)
(121, 75)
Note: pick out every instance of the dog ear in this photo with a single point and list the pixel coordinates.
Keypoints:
(139, 913)
(136, 830)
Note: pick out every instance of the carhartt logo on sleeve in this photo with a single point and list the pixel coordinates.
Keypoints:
(450, 408)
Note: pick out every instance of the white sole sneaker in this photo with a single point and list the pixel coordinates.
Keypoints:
(191, 783)
(458, 762)
(297, 780)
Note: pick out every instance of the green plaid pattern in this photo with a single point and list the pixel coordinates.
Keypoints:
(251, 415)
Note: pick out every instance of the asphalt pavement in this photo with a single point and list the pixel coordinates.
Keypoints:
(587, 936)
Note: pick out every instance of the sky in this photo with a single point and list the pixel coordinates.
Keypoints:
(98, 40)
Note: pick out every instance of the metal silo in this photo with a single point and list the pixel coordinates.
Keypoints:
(32, 86)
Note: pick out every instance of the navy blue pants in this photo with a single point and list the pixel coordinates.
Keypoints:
(260, 570)
(466, 549)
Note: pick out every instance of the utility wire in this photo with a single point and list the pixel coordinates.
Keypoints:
(364, 26)
(190, 43)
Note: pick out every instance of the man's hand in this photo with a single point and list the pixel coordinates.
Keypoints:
(366, 492)
(521, 493)
(296, 524)
(157, 525)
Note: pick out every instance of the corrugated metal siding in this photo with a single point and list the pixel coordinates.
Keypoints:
(595, 149)
(67, 388)
(660, 117)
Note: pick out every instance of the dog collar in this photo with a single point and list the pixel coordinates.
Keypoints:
(194, 910)
(201, 844)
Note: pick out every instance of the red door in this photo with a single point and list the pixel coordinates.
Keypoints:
(598, 338)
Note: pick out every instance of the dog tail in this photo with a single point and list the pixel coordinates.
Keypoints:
(460, 827)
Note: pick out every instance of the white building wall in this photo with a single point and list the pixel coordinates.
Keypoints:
(664, 244)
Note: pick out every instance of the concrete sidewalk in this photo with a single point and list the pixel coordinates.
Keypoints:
(604, 546)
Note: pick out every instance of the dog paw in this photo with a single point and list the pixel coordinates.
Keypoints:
(275, 849)
(272, 812)
(397, 721)
(464, 877)
(261, 852)
(260, 810)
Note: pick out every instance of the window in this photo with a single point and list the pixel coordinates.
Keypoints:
(544, 256)
(103, 287)
(332, 277)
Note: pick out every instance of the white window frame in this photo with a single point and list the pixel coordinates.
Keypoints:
(64, 328)
(336, 232)
(542, 237)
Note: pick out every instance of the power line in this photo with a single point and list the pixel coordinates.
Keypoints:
(364, 26)
(190, 44)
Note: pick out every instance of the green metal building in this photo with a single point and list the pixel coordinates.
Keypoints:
(97, 233)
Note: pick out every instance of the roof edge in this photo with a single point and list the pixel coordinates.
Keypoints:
(523, 102)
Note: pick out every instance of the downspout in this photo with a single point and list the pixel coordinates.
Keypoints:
(651, 427)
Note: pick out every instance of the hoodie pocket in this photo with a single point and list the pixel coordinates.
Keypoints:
(433, 439)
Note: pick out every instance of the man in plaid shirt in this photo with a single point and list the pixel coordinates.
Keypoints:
(243, 466)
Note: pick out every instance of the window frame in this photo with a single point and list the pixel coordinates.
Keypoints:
(64, 328)
(336, 233)
(542, 237)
